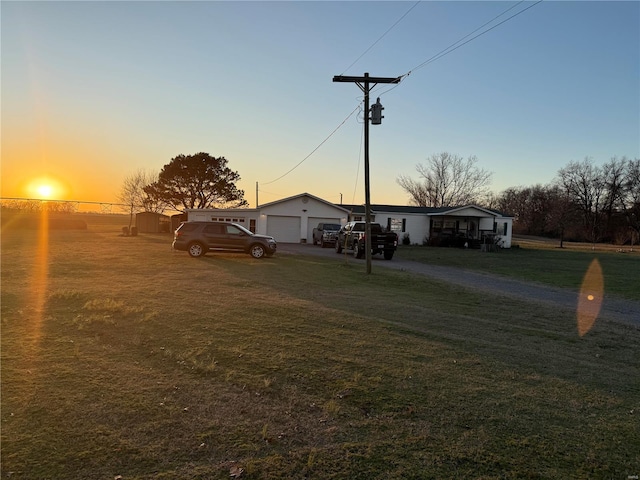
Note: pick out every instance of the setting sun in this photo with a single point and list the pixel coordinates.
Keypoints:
(46, 188)
(45, 191)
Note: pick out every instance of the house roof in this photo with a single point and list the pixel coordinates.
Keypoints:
(431, 211)
(318, 199)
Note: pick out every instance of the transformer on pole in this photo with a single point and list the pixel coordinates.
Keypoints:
(376, 119)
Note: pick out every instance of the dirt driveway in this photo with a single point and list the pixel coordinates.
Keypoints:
(616, 309)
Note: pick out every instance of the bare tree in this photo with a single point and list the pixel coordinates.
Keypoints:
(133, 196)
(631, 198)
(614, 178)
(447, 180)
(584, 184)
(562, 212)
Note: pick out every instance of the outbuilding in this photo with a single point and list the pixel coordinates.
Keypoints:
(151, 222)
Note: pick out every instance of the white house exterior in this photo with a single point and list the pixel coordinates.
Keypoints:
(292, 220)
(423, 224)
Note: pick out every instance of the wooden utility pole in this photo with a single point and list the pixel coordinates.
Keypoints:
(364, 84)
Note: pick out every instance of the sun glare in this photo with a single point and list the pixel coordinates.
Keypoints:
(46, 188)
(45, 191)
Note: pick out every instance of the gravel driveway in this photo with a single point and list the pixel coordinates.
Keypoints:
(616, 309)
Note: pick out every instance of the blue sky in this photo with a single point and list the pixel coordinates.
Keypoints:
(93, 91)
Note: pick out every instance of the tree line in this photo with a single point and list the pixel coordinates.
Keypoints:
(584, 202)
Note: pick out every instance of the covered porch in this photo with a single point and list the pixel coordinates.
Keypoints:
(464, 227)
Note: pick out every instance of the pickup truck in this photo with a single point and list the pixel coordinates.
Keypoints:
(352, 237)
(325, 234)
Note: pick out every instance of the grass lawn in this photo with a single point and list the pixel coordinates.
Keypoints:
(543, 262)
(123, 358)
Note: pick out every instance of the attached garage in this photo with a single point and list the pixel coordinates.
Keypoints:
(283, 228)
(293, 219)
(290, 220)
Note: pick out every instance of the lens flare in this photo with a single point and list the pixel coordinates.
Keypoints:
(590, 297)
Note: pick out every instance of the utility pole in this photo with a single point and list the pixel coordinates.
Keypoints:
(364, 84)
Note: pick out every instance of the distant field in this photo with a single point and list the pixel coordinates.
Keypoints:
(122, 358)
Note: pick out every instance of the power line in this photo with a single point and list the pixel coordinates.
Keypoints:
(454, 46)
(381, 37)
(343, 122)
(451, 48)
(315, 149)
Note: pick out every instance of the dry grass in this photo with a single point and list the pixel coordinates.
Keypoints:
(130, 359)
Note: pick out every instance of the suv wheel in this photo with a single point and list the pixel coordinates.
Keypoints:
(257, 251)
(196, 250)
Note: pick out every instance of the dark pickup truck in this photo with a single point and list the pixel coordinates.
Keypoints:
(352, 237)
(325, 234)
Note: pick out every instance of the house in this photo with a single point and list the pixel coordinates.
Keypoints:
(428, 224)
(292, 219)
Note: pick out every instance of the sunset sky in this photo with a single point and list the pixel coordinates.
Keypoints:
(93, 91)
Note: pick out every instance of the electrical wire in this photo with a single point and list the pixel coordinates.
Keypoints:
(451, 48)
(381, 37)
(355, 185)
(359, 105)
(315, 149)
(454, 46)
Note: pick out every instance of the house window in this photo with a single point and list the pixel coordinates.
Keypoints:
(252, 225)
(396, 225)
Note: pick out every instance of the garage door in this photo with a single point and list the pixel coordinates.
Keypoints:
(313, 223)
(284, 229)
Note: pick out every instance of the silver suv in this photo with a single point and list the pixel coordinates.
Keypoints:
(198, 238)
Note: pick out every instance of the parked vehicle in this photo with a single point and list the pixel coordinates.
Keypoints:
(198, 238)
(325, 234)
(352, 237)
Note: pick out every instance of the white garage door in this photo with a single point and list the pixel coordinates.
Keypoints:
(284, 229)
(313, 223)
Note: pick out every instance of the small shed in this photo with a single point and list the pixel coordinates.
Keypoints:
(177, 219)
(151, 222)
